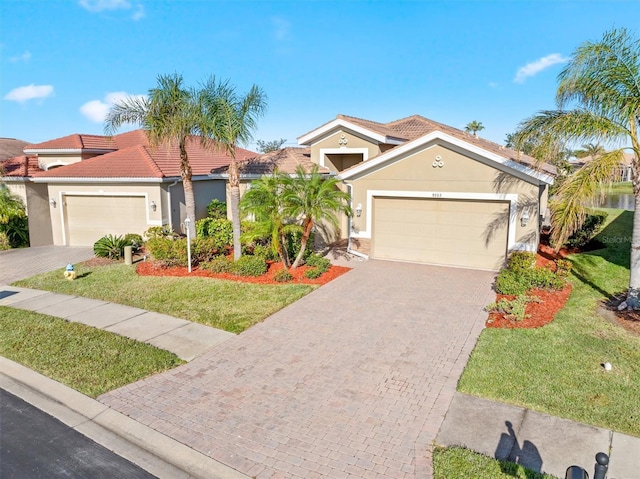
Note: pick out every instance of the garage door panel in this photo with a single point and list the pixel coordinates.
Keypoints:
(88, 218)
(448, 232)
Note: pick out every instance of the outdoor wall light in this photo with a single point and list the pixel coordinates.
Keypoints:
(52, 202)
(153, 205)
(359, 210)
(524, 219)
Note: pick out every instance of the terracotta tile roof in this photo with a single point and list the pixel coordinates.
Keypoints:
(627, 160)
(381, 128)
(10, 147)
(285, 160)
(416, 126)
(20, 166)
(75, 142)
(143, 161)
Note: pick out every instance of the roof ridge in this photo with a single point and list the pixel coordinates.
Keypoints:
(347, 117)
(148, 158)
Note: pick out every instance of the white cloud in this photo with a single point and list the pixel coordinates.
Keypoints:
(533, 68)
(139, 13)
(100, 5)
(29, 92)
(25, 57)
(96, 110)
(281, 27)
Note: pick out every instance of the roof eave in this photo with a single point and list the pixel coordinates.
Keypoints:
(308, 139)
(67, 151)
(60, 179)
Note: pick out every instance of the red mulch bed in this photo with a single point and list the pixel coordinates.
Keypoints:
(151, 268)
(538, 314)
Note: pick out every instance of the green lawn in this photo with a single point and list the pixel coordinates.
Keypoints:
(623, 188)
(229, 305)
(87, 359)
(557, 368)
(460, 463)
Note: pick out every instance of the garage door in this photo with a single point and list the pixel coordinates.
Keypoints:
(470, 234)
(88, 218)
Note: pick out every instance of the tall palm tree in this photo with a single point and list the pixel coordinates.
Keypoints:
(313, 198)
(230, 120)
(264, 200)
(602, 83)
(169, 115)
(590, 149)
(474, 127)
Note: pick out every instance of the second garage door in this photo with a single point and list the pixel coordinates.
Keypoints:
(465, 233)
(88, 218)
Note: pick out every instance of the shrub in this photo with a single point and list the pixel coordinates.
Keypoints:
(513, 309)
(134, 240)
(313, 273)
(591, 226)
(159, 232)
(167, 251)
(563, 267)
(519, 282)
(4, 241)
(265, 251)
(283, 276)
(204, 249)
(510, 282)
(220, 264)
(292, 244)
(318, 262)
(110, 246)
(220, 230)
(250, 266)
(522, 260)
(216, 209)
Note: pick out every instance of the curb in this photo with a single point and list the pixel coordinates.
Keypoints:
(154, 452)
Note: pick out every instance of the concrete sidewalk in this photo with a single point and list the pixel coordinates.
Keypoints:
(538, 441)
(185, 339)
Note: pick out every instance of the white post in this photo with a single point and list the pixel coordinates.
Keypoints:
(187, 221)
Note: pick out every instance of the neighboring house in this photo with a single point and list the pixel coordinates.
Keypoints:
(625, 168)
(426, 192)
(82, 187)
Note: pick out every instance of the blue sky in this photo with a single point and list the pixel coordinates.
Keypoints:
(64, 61)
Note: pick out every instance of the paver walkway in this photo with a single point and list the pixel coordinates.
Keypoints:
(354, 380)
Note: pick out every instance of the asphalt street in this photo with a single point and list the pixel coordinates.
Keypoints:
(34, 445)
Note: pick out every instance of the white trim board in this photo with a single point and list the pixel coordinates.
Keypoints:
(512, 198)
(344, 150)
(308, 138)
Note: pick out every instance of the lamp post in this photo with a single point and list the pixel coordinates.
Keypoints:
(187, 222)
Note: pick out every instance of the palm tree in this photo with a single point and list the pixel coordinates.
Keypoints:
(230, 120)
(13, 218)
(602, 83)
(169, 115)
(311, 197)
(590, 149)
(474, 127)
(264, 200)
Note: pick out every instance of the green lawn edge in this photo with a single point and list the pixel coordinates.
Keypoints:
(230, 305)
(557, 369)
(84, 358)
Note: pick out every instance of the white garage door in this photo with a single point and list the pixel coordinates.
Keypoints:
(470, 234)
(88, 218)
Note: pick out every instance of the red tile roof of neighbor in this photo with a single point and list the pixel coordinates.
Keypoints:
(285, 160)
(20, 166)
(143, 161)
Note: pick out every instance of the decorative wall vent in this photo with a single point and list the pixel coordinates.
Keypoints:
(343, 140)
(438, 163)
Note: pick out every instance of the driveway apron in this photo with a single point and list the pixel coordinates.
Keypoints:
(23, 263)
(353, 380)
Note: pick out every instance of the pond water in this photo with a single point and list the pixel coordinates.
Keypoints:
(624, 202)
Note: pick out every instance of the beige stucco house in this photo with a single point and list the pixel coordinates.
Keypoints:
(81, 187)
(425, 192)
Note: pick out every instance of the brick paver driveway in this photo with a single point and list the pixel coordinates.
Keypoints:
(351, 381)
(23, 263)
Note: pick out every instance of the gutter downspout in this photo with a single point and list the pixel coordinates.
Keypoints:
(350, 226)
(169, 201)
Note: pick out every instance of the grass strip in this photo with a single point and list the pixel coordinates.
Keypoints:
(230, 305)
(557, 369)
(461, 463)
(86, 359)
